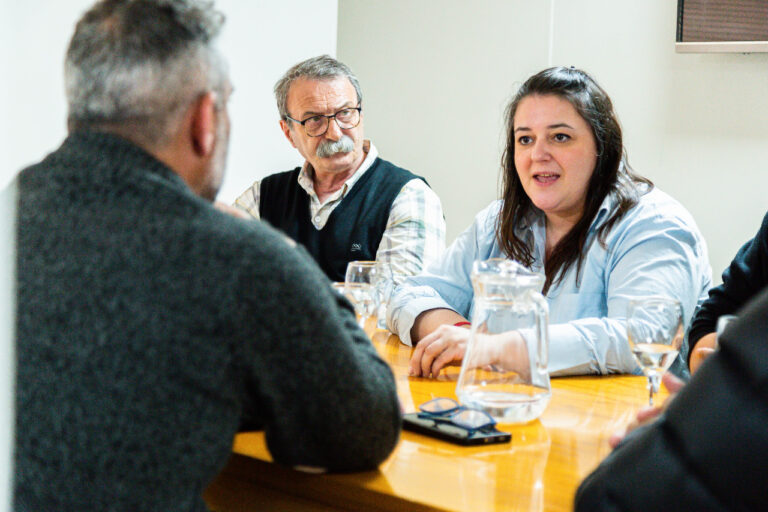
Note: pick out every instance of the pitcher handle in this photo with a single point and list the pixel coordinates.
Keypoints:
(542, 328)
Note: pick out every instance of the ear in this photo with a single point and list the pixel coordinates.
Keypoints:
(287, 131)
(204, 124)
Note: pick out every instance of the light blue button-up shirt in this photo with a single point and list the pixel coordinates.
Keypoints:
(655, 249)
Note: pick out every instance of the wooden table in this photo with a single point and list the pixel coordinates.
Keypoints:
(539, 470)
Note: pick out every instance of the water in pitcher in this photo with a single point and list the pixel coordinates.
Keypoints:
(504, 371)
(508, 406)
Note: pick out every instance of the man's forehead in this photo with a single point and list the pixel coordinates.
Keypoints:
(309, 95)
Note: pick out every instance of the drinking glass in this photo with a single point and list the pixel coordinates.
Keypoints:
(360, 288)
(385, 285)
(655, 331)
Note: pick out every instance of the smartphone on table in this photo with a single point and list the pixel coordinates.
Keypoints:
(416, 422)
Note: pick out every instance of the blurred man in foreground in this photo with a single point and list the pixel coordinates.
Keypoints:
(150, 325)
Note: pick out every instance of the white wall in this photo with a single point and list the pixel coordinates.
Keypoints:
(436, 75)
(261, 40)
(696, 124)
(35, 37)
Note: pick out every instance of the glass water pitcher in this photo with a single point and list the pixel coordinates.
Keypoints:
(504, 371)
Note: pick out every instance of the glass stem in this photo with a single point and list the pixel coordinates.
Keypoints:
(654, 380)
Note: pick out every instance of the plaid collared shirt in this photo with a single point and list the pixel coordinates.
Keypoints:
(415, 232)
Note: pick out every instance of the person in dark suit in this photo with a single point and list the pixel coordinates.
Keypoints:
(708, 449)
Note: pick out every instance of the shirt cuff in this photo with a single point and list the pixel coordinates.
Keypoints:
(403, 322)
(570, 353)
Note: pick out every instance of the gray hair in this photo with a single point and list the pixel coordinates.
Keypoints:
(323, 67)
(138, 64)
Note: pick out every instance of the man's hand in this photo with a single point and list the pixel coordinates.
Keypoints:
(704, 348)
(648, 414)
(235, 212)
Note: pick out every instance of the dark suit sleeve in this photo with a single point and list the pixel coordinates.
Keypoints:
(709, 451)
(743, 279)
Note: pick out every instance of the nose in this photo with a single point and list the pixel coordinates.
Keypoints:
(540, 150)
(334, 132)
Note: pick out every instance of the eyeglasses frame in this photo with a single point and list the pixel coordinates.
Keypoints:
(359, 109)
(448, 415)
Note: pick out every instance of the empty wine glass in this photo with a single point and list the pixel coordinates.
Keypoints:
(385, 283)
(655, 331)
(360, 288)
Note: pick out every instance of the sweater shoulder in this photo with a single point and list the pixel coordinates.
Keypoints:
(281, 178)
(393, 170)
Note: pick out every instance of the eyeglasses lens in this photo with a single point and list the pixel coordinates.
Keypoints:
(439, 406)
(316, 125)
(472, 419)
(346, 119)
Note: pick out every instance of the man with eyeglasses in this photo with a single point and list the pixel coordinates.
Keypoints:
(345, 203)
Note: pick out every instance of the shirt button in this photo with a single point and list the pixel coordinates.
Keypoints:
(317, 218)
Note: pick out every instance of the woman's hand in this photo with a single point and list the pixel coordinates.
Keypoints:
(443, 346)
(447, 345)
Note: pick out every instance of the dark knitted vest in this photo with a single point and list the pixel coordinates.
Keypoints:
(354, 229)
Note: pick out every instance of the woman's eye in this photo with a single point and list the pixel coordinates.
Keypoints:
(524, 140)
(561, 137)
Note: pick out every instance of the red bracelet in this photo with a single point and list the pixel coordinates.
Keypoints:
(464, 322)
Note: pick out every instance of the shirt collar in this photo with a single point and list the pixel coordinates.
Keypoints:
(603, 212)
(307, 172)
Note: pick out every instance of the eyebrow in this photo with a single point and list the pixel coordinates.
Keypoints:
(311, 113)
(550, 127)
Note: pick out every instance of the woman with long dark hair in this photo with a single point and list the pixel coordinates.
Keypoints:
(572, 209)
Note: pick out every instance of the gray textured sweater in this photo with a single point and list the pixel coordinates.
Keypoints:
(151, 326)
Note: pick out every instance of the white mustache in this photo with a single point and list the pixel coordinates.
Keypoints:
(330, 147)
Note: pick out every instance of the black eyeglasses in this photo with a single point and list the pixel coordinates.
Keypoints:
(448, 410)
(316, 126)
